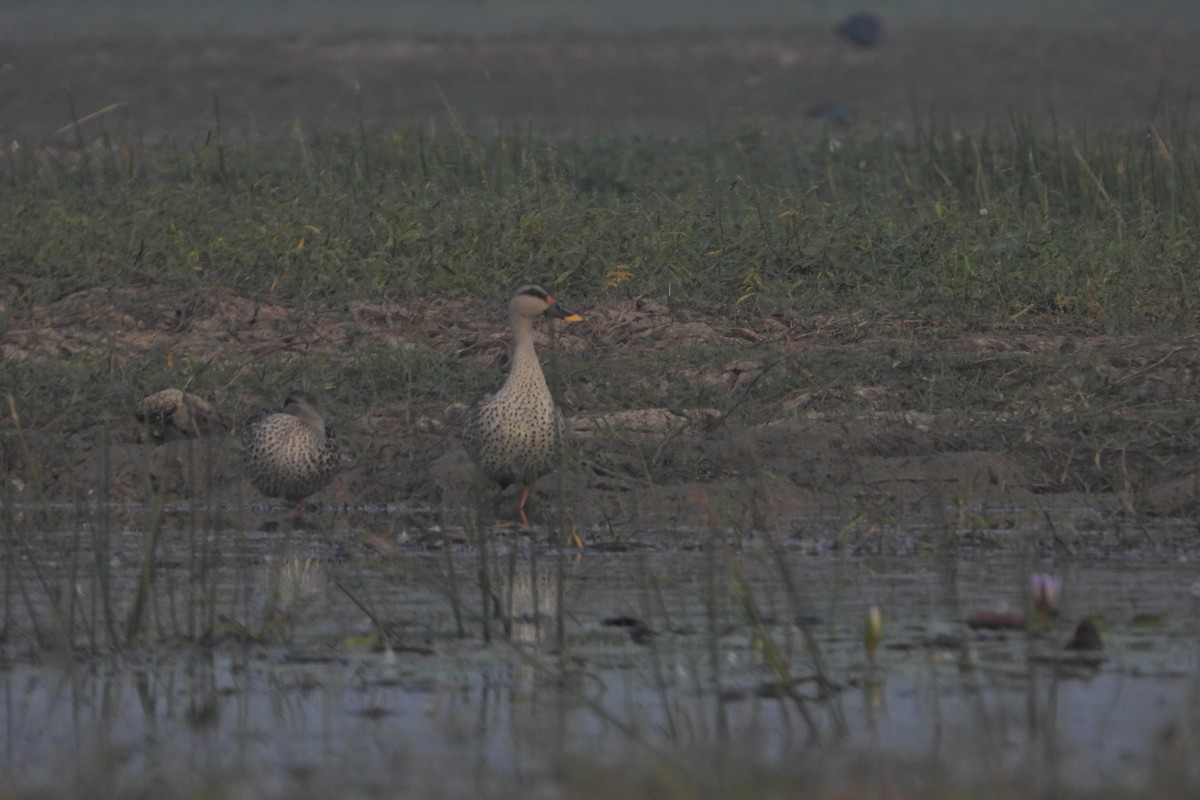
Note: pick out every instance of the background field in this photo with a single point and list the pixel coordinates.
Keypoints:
(579, 69)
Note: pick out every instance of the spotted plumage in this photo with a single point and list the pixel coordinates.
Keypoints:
(291, 453)
(514, 435)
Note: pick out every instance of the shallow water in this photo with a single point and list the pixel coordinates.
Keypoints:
(303, 662)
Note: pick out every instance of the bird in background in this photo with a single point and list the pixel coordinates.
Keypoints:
(292, 453)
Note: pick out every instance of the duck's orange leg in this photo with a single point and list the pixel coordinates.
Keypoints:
(524, 498)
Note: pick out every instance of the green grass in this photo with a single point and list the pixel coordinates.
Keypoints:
(960, 230)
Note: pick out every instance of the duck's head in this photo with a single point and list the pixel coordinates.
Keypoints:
(303, 406)
(531, 302)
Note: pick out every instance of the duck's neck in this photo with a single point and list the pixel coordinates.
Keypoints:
(525, 369)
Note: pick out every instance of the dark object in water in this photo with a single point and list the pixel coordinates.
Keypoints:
(864, 30)
(1087, 637)
(996, 621)
(639, 631)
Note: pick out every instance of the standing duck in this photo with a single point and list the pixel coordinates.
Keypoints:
(291, 453)
(514, 435)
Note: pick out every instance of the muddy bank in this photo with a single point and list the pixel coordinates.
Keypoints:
(756, 459)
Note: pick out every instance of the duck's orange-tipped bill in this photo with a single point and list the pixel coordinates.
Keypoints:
(565, 314)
